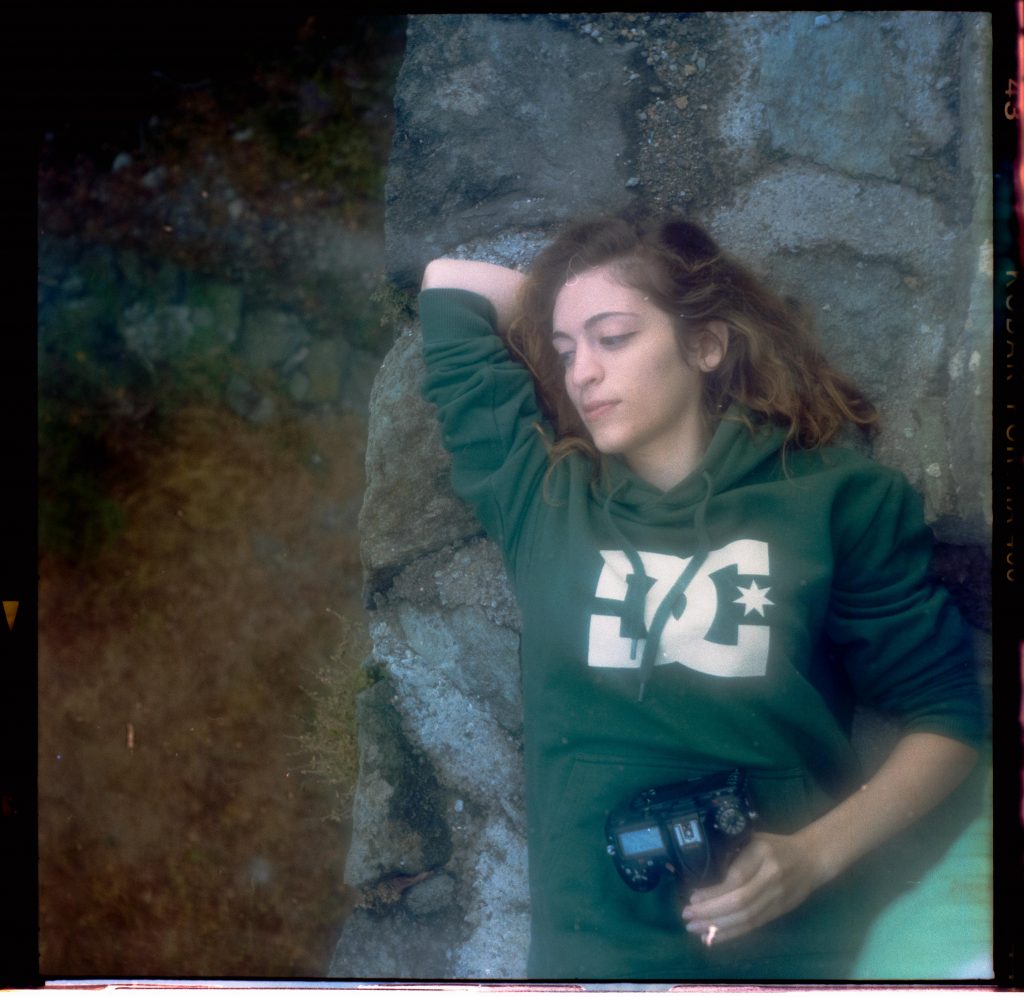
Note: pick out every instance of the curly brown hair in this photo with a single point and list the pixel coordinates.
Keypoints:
(773, 367)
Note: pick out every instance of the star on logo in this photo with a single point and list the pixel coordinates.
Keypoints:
(754, 599)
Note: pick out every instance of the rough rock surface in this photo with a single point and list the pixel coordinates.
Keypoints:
(473, 89)
(843, 154)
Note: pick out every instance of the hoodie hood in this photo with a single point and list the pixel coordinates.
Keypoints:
(734, 455)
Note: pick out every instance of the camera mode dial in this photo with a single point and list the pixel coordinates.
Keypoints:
(730, 820)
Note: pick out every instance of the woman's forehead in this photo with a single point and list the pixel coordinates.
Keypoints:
(594, 292)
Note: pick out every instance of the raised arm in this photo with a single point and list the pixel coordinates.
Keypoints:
(499, 285)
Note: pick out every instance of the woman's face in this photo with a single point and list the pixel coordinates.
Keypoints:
(626, 374)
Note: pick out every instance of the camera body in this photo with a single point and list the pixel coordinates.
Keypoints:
(690, 829)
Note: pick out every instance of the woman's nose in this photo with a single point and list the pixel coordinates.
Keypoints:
(586, 366)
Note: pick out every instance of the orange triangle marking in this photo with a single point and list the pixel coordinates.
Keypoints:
(10, 611)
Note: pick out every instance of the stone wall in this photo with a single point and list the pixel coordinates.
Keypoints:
(158, 316)
(845, 156)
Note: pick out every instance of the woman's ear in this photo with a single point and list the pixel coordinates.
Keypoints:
(712, 343)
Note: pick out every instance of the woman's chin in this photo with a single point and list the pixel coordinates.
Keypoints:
(609, 448)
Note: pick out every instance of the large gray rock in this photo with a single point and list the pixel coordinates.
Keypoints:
(409, 510)
(472, 90)
(906, 104)
(887, 238)
(439, 804)
(845, 156)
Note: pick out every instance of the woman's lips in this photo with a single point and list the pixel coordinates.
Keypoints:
(595, 410)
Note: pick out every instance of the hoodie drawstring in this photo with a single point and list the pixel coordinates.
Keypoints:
(640, 583)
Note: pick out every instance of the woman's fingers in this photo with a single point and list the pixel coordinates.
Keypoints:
(766, 880)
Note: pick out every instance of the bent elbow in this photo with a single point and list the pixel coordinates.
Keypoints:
(437, 273)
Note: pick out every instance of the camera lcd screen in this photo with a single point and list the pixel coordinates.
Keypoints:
(641, 841)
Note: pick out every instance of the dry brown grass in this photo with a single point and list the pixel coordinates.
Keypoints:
(181, 832)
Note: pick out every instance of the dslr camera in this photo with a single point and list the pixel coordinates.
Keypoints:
(691, 829)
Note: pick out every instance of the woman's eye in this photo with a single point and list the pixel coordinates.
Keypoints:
(614, 342)
(566, 358)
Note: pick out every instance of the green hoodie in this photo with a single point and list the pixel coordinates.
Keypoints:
(733, 620)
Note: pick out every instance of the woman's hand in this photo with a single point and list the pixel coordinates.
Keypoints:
(771, 875)
(774, 873)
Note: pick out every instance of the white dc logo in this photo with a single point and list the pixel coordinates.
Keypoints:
(617, 640)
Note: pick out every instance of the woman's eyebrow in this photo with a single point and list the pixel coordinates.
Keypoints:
(600, 316)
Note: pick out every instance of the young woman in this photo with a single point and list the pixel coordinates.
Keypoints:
(704, 583)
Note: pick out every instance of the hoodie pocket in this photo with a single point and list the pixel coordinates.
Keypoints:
(576, 875)
(587, 921)
(575, 884)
